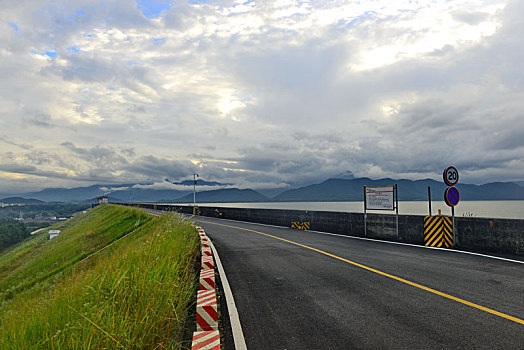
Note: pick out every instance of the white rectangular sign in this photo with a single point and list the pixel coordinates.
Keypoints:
(380, 198)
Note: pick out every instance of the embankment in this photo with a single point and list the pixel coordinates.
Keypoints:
(114, 278)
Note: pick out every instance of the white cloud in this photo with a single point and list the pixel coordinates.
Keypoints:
(368, 85)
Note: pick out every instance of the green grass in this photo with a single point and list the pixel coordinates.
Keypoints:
(40, 259)
(134, 294)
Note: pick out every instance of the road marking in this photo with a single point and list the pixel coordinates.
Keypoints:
(385, 274)
(372, 240)
(236, 327)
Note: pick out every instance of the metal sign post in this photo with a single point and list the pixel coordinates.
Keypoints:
(365, 213)
(396, 207)
(195, 175)
(453, 225)
(429, 199)
(452, 195)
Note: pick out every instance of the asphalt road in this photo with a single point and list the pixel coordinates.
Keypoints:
(317, 291)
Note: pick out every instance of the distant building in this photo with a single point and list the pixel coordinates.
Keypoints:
(53, 233)
(102, 200)
(3, 205)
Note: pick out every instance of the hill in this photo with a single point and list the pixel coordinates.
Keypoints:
(224, 196)
(352, 190)
(97, 284)
(119, 193)
(342, 188)
(20, 200)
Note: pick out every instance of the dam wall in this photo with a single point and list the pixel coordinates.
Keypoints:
(473, 234)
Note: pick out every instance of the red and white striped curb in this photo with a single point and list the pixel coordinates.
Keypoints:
(206, 310)
(205, 241)
(206, 251)
(207, 262)
(207, 340)
(207, 279)
(207, 335)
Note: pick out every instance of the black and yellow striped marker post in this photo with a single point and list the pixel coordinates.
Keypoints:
(438, 231)
(300, 225)
(447, 232)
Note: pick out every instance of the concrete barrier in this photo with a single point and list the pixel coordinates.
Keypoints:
(206, 340)
(206, 250)
(206, 310)
(207, 279)
(207, 336)
(207, 262)
(474, 234)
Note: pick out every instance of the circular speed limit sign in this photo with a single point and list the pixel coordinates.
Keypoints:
(451, 176)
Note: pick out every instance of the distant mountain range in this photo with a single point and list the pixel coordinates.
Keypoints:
(334, 189)
(224, 195)
(353, 190)
(19, 200)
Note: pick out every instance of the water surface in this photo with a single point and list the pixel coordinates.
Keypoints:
(484, 209)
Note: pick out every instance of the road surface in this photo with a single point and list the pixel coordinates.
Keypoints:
(305, 290)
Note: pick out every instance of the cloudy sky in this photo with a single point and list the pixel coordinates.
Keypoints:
(259, 94)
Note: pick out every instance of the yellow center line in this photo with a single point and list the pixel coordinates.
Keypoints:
(396, 278)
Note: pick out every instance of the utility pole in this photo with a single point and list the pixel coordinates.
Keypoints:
(195, 175)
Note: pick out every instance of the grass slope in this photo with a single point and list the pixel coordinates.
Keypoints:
(134, 294)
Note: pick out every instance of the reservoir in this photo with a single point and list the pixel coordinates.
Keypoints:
(480, 209)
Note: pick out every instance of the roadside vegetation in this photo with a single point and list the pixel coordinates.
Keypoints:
(11, 232)
(68, 293)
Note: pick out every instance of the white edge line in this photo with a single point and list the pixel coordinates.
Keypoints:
(382, 241)
(236, 327)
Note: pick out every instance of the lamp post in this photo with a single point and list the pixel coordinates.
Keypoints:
(194, 192)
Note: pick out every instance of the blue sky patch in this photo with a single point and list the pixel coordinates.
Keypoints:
(76, 15)
(52, 54)
(14, 26)
(73, 49)
(158, 41)
(152, 8)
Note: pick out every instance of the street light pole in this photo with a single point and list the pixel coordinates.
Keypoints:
(194, 192)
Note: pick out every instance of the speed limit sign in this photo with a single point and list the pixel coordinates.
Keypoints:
(451, 176)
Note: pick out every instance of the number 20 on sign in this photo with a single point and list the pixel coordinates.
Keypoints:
(451, 176)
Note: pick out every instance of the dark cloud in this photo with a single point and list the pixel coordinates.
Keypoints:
(41, 120)
(86, 69)
(160, 168)
(129, 152)
(99, 156)
(17, 168)
(20, 145)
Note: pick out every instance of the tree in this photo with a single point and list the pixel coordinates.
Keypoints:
(12, 232)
